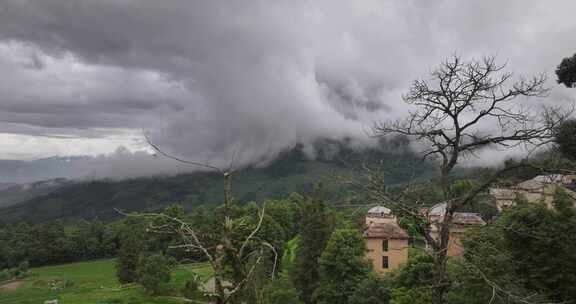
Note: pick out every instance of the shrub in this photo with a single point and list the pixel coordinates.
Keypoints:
(154, 272)
(191, 289)
(4, 275)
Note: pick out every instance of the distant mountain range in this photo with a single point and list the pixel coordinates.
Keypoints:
(292, 171)
(18, 171)
(12, 194)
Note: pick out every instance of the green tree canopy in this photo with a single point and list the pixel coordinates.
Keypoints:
(154, 272)
(566, 72)
(342, 267)
(315, 229)
(372, 290)
(530, 249)
(132, 244)
(566, 138)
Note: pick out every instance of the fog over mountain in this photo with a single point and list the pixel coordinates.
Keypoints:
(119, 165)
(206, 78)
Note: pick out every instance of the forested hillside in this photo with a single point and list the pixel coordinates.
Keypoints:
(12, 194)
(292, 171)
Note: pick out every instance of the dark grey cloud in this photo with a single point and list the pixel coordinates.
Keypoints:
(206, 78)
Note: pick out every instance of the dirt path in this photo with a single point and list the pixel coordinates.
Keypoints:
(11, 286)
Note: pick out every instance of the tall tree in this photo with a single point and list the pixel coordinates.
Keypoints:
(154, 272)
(372, 290)
(316, 226)
(566, 138)
(281, 291)
(566, 72)
(463, 107)
(132, 245)
(342, 267)
(225, 252)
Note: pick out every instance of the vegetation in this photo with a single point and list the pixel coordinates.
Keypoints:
(95, 282)
(292, 172)
(493, 260)
(566, 72)
(371, 290)
(154, 273)
(342, 267)
(128, 259)
(451, 109)
(294, 248)
(566, 140)
(316, 226)
(15, 273)
(281, 291)
(54, 242)
(530, 249)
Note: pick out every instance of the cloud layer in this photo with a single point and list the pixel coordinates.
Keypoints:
(206, 78)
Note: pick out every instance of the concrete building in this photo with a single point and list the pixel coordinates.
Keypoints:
(538, 189)
(386, 242)
(460, 222)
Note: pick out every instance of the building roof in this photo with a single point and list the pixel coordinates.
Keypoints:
(385, 231)
(540, 181)
(460, 218)
(503, 193)
(379, 210)
(467, 218)
(536, 185)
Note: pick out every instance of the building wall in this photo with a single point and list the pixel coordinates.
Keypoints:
(455, 247)
(397, 253)
(544, 194)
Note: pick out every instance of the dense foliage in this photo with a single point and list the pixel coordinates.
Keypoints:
(526, 252)
(530, 249)
(315, 228)
(128, 258)
(566, 139)
(154, 271)
(342, 267)
(566, 71)
(55, 242)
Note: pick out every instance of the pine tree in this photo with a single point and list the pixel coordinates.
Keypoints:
(315, 230)
(131, 246)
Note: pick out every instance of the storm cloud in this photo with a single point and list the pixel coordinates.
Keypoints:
(206, 78)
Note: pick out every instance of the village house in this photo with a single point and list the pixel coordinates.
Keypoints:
(386, 242)
(538, 189)
(460, 222)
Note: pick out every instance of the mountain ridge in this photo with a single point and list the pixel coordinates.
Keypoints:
(291, 171)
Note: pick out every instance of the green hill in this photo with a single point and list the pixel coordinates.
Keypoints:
(291, 172)
(12, 194)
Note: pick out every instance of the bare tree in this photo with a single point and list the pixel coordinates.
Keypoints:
(463, 107)
(243, 256)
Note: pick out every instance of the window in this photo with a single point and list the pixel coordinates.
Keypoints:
(385, 262)
(385, 245)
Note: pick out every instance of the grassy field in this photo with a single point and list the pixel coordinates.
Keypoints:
(94, 282)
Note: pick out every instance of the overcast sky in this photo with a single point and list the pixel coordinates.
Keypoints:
(208, 77)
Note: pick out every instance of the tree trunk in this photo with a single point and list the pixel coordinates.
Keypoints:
(218, 270)
(441, 254)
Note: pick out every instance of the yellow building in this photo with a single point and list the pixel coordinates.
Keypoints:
(460, 222)
(386, 242)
